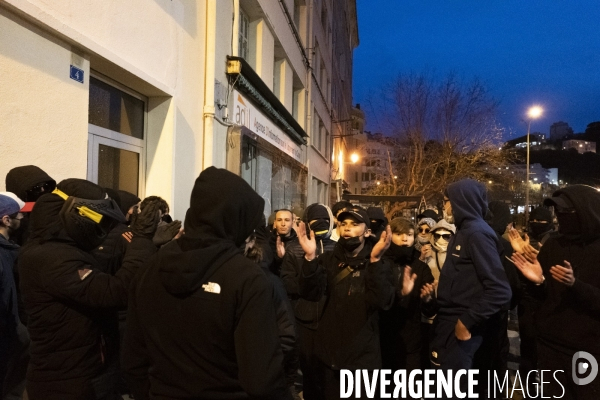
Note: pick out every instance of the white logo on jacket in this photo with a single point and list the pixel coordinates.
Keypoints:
(212, 287)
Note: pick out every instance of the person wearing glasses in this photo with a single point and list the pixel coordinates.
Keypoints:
(440, 236)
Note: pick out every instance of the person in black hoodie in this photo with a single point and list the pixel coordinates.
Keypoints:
(68, 298)
(29, 183)
(402, 340)
(566, 272)
(201, 321)
(473, 289)
(257, 250)
(307, 313)
(357, 283)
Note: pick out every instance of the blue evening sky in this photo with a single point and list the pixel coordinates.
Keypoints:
(527, 52)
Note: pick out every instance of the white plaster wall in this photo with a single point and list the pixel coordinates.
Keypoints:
(140, 33)
(153, 46)
(43, 113)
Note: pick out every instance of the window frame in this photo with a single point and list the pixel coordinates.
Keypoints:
(98, 135)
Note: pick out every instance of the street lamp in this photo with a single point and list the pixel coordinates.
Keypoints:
(533, 113)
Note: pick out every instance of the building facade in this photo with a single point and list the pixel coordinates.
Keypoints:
(143, 95)
(582, 146)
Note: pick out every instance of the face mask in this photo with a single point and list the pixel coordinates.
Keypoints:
(538, 228)
(400, 252)
(568, 223)
(423, 240)
(349, 244)
(442, 244)
(320, 227)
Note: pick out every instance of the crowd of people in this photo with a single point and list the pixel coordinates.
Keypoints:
(103, 294)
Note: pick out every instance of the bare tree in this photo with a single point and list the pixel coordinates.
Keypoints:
(441, 131)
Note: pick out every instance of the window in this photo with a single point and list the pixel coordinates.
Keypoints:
(243, 35)
(116, 136)
(355, 177)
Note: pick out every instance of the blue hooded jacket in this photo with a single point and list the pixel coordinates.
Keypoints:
(473, 285)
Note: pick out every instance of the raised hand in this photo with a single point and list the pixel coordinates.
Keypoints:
(563, 274)
(309, 244)
(532, 270)
(280, 246)
(408, 281)
(428, 291)
(516, 241)
(166, 232)
(529, 251)
(426, 252)
(146, 222)
(382, 245)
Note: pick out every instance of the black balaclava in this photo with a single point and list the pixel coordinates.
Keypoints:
(378, 222)
(20, 181)
(322, 220)
(538, 229)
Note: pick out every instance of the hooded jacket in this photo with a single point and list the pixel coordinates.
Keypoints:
(67, 297)
(577, 306)
(21, 179)
(201, 321)
(473, 285)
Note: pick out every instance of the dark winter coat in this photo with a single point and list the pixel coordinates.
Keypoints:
(473, 284)
(9, 314)
(201, 321)
(66, 297)
(400, 326)
(569, 317)
(292, 247)
(348, 333)
(307, 312)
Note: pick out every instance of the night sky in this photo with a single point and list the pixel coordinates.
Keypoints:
(527, 52)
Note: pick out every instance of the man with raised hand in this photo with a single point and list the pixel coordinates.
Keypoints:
(357, 283)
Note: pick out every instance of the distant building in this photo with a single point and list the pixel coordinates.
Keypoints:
(559, 130)
(377, 156)
(537, 173)
(536, 139)
(582, 146)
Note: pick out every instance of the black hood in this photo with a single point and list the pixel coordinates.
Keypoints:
(468, 199)
(45, 223)
(585, 199)
(124, 200)
(21, 179)
(500, 216)
(224, 211)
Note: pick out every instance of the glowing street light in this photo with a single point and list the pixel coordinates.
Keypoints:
(533, 113)
(354, 158)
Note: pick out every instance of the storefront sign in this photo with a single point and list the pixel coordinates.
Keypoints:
(244, 113)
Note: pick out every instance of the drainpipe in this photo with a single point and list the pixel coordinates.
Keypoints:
(209, 84)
